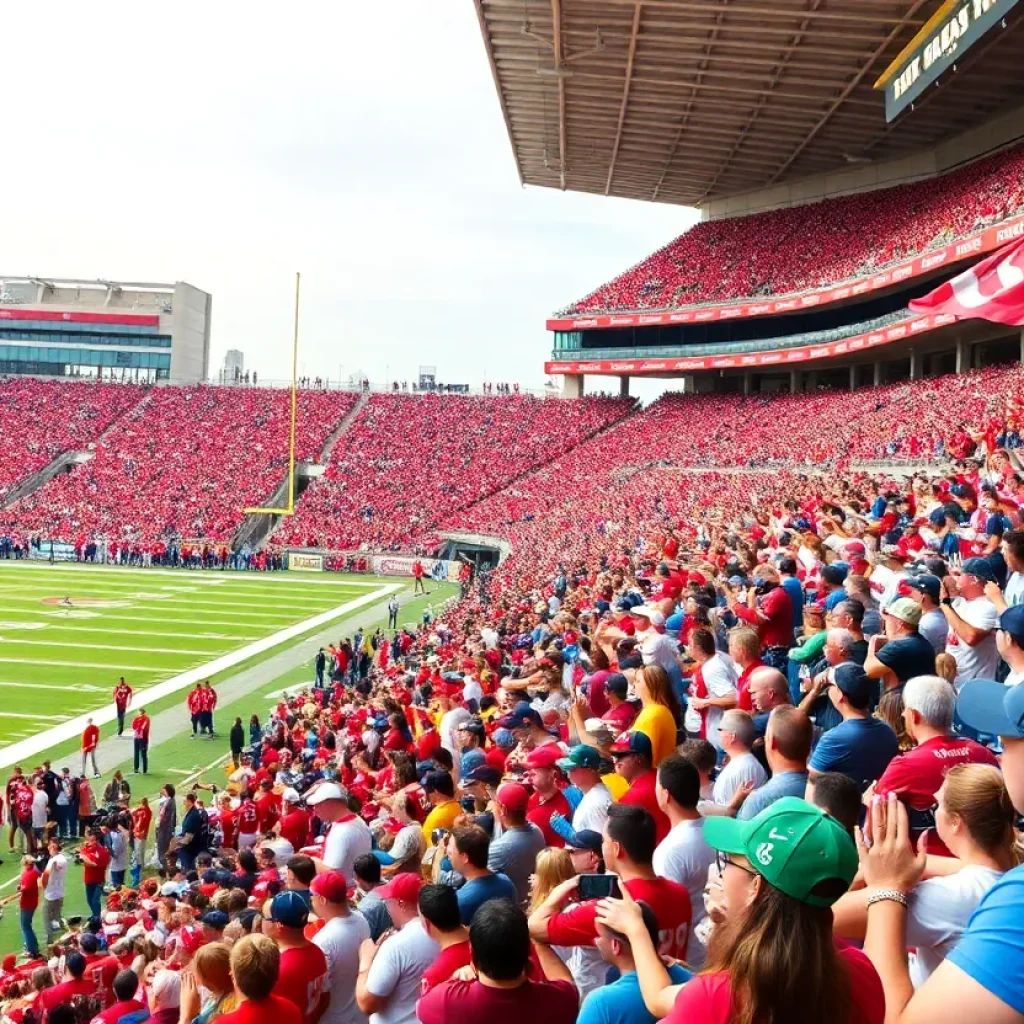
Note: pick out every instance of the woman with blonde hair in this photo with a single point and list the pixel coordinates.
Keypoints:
(553, 867)
(585, 963)
(211, 970)
(660, 715)
(975, 819)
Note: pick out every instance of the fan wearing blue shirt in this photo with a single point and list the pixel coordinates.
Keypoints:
(861, 746)
(621, 1001)
(468, 848)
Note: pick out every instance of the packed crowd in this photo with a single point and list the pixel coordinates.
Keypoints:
(40, 419)
(804, 247)
(756, 758)
(185, 462)
(409, 460)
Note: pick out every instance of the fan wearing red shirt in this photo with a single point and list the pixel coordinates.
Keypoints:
(546, 799)
(504, 991)
(90, 741)
(194, 700)
(294, 825)
(628, 849)
(75, 985)
(126, 984)
(122, 698)
(268, 807)
(255, 970)
(142, 819)
(140, 730)
(632, 756)
(442, 921)
(248, 822)
(917, 775)
(228, 818)
(28, 902)
(303, 967)
(791, 859)
(771, 614)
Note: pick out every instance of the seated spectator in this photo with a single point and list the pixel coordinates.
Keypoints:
(468, 848)
(620, 1001)
(255, 964)
(778, 904)
(683, 855)
(860, 746)
(390, 972)
(442, 921)
(787, 747)
(917, 775)
(742, 771)
(499, 941)
(343, 933)
(629, 846)
(903, 652)
(975, 824)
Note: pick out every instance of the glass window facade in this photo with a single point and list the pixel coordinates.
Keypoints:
(50, 333)
(80, 361)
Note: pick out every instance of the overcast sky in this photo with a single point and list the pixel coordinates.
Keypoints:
(229, 145)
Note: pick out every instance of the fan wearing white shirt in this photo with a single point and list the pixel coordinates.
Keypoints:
(684, 855)
(583, 767)
(742, 772)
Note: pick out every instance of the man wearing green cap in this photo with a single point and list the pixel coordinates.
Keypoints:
(781, 873)
(583, 767)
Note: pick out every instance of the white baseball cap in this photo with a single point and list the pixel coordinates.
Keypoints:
(328, 791)
(291, 796)
(647, 612)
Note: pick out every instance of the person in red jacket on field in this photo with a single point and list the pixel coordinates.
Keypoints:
(195, 702)
(209, 702)
(122, 698)
(140, 730)
(90, 741)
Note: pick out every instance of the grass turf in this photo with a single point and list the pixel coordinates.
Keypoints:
(57, 661)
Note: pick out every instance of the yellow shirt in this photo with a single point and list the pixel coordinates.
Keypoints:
(616, 784)
(657, 723)
(442, 816)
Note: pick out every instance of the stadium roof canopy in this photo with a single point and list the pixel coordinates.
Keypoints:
(682, 101)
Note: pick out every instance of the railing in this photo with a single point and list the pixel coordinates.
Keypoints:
(731, 347)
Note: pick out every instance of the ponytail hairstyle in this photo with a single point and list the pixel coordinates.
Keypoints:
(977, 794)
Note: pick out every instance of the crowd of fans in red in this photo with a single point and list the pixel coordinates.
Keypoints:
(409, 460)
(805, 247)
(185, 461)
(40, 419)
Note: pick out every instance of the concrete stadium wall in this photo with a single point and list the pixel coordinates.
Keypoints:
(996, 134)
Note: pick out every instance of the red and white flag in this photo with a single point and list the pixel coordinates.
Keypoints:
(991, 290)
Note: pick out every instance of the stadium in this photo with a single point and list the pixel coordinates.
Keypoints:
(283, 662)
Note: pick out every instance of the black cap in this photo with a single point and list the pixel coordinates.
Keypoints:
(486, 774)
(587, 839)
(930, 585)
(616, 683)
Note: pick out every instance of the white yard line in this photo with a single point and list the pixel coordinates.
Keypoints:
(26, 749)
(84, 646)
(110, 666)
(156, 606)
(78, 687)
(153, 632)
(39, 718)
(203, 577)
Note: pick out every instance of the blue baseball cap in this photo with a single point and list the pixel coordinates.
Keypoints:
(290, 909)
(522, 715)
(1012, 622)
(980, 567)
(992, 708)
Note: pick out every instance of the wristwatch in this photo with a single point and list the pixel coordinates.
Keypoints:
(948, 601)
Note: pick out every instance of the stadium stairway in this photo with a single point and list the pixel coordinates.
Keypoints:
(66, 462)
(258, 526)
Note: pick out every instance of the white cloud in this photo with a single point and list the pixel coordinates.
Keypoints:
(230, 145)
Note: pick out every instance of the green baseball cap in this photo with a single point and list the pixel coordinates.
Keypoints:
(793, 845)
(582, 756)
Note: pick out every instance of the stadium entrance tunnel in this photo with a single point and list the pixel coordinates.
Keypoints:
(482, 552)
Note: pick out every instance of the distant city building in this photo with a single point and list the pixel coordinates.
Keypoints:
(234, 365)
(115, 330)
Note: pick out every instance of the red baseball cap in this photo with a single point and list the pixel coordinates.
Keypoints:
(404, 887)
(545, 756)
(331, 886)
(511, 795)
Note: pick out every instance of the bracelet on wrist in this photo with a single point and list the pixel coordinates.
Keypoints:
(888, 895)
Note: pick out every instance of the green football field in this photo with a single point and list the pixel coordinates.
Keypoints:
(67, 631)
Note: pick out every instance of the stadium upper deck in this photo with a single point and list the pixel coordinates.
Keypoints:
(847, 155)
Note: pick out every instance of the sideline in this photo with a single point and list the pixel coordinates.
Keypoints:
(25, 749)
